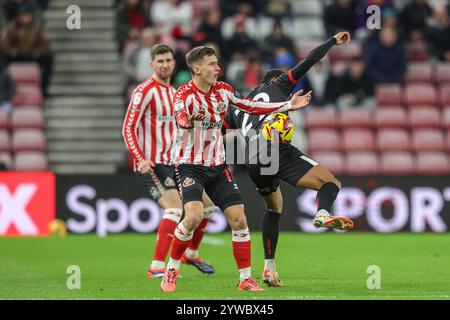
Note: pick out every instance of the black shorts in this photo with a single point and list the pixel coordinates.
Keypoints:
(158, 183)
(216, 181)
(293, 165)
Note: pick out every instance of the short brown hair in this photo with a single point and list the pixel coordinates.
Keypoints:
(161, 49)
(197, 54)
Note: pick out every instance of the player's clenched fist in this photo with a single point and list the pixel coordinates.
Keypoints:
(342, 37)
(145, 166)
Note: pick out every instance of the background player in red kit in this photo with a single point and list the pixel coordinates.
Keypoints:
(200, 107)
(149, 131)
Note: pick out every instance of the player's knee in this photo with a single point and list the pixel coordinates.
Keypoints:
(238, 222)
(275, 208)
(192, 221)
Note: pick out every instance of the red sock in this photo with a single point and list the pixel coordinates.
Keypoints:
(180, 242)
(242, 248)
(242, 254)
(164, 239)
(198, 235)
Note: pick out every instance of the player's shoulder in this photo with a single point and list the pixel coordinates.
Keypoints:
(222, 85)
(184, 90)
(146, 85)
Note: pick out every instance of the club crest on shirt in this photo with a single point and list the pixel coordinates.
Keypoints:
(169, 182)
(221, 107)
(188, 182)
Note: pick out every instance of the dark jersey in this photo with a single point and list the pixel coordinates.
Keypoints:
(277, 90)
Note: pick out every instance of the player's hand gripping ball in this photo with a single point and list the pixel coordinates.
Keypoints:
(278, 128)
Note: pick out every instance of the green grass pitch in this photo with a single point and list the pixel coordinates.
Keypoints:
(321, 266)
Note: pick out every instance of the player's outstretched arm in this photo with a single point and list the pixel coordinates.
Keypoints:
(316, 54)
(300, 101)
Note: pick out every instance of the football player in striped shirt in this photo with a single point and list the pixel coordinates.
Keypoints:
(149, 131)
(200, 107)
(295, 167)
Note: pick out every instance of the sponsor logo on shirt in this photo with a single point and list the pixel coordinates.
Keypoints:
(212, 124)
(137, 98)
(166, 118)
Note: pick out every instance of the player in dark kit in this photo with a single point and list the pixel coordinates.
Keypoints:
(294, 167)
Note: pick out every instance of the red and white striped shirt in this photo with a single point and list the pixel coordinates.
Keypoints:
(149, 128)
(203, 144)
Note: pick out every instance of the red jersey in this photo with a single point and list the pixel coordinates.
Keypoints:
(203, 144)
(149, 128)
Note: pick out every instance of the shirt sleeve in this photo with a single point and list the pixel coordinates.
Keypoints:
(296, 73)
(180, 110)
(134, 113)
(255, 107)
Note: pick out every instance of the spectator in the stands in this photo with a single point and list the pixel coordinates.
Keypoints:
(136, 59)
(249, 77)
(277, 39)
(6, 89)
(11, 7)
(131, 18)
(173, 17)
(209, 30)
(277, 9)
(438, 35)
(413, 18)
(340, 15)
(386, 59)
(26, 41)
(321, 81)
(355, 87)
(240, 41)
(232, 7)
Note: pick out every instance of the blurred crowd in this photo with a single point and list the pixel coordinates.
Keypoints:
(408, 28)
(22, 39)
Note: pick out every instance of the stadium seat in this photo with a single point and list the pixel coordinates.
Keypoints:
(361, 162)
(332, 160)
(420, 94)
(304, 47)
(417, 51)
(355, 117)
(306, 7)
(345, 52)
(30, 161)
(447, 140)
(320, 118)
(4, 119)
(427, 139)
(429, 117)
(389, 94)
(358, 139)
(323, 139)
(28, 95)
(7, 160)
(446, 117)
(25, 72)
(27, 117)
(5, 141)
(444, 95)
(305, 28)
(29, 140)
(432, 163)
(393, 139)
(265, 26)
(397, 162)
(442, 73)
(391, 118)
(419, 72)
